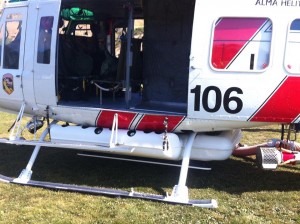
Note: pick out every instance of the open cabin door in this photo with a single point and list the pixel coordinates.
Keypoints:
(13, 26)
(145, 69)
(45, 53)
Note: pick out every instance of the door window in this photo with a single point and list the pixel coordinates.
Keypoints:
(292, 55)
(1, 39)
(44, 42)
(241, 44)
(12, 42)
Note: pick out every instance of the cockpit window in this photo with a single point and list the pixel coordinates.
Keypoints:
(292, 55)
(241, 44)
(12, 43)
(1, 39)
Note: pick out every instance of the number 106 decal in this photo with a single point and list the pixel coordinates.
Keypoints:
(228, 98)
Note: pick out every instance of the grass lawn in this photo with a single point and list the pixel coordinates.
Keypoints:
(245, 193)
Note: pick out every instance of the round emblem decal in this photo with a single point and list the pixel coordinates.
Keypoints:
(8, 83)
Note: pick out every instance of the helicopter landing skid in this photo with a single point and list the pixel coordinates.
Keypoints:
(110, 192)
(179, 194)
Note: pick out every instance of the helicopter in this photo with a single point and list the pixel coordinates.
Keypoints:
(169, 80)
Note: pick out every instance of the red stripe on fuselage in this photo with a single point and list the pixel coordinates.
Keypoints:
(105, 119)
(156, 122)
(284, 105)
(149, 122)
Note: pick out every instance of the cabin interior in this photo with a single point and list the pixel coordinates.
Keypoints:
(125, 54)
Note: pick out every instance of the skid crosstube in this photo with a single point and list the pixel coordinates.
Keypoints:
(110, 192)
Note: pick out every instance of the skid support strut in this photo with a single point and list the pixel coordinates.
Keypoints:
(180, 192)
(26, 173)
(16, 128)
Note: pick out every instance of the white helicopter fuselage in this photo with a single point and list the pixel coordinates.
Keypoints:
(162, 79)
(241, 64)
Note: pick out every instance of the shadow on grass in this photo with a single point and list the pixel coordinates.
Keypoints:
(234, 176)
(253, 130)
